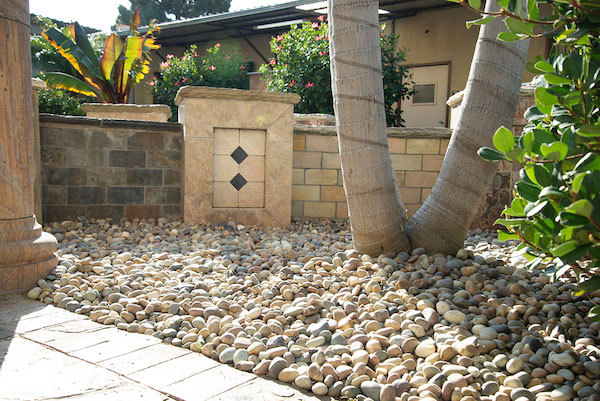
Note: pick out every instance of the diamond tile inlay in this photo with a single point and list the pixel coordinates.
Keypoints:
(239, 155)
(238, 181)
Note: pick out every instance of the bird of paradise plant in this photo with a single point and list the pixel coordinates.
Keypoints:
(111, 78)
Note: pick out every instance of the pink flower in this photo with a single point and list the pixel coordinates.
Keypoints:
(279, 38)
(218, 45)
(184, 58)
(322, 53)
(242, 67)
(318, 37)
(292, 83)
(212, 68)
(169, 56)
(164, 65)
(327, 38)
(310, 84)
(184, 80)
(151, 83)
(278, 48)
(177, 83)
(321, 18)
(273, 62)
(314, 25)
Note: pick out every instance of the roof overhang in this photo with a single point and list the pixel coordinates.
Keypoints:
(272, 19)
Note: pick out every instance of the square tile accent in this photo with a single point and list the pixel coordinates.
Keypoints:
(232, 173)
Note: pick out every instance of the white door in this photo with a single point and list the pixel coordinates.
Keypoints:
(427, 107)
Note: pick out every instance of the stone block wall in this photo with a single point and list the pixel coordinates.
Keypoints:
(110, 168)
(317, 191)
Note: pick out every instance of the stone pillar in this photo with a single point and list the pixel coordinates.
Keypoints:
(37, 85)
(237, 155)
(26, 252)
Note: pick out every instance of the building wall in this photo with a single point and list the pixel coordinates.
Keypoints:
(441, 35)
(109, 168)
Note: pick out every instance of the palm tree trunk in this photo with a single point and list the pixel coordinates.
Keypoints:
(490, 100)
(376, 212)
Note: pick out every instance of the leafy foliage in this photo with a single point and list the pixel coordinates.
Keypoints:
(109, 78)
(161, 10)
(556, 208)
(57, 101)
(302, 66)
(218, 67)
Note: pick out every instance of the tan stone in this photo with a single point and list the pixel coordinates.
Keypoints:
(422, 146)
(225, 168)
(410, 195)
(253, 142)
(224, 195)
(400, 178)
(411, 209)
(319, 209)
(432, 162)
(252, 195)
(406, 162)
(226, 140)
(253, 168)
(341, 210)
(397, 145)
(307, 159)
(320, 176)
(299, 142)
(136, 112)
(297, 176)
(444, 146)
(424, 194)
(321, 143)
(333, 193)
(421, 179)
(332, 160)
(306, 192)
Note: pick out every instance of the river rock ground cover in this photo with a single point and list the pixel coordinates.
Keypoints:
(300, 305)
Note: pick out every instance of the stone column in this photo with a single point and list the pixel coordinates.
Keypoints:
(26, 252)
(37, 85)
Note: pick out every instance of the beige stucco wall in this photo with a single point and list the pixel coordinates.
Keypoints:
(441, 35)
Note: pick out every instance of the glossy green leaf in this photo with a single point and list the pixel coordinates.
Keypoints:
(476, 4)
(539, 175)
(490, 154)
(533, 211)
(511, 222)
(480, 21)
(582, 207)
(544, 97)
(564, 248)
(556, 151)
(589, 130)
(518, 26)
(554, 79)
(527, 191)
(504, 236)
(60, 80)
(578, 180)
(504, 140)
(534, 114)
(594, 313)
(530, 66)
(590, 285)
(544, 66)
(591, 161)
(508, 36)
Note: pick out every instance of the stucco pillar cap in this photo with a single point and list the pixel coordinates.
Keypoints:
(207, 92)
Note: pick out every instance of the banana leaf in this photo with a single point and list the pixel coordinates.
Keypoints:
(60, 80)
(113, 51)
(81, 40)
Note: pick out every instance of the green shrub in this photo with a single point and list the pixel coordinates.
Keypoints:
(556, 208)
(217, 68)
(57, 101)
(302, 66)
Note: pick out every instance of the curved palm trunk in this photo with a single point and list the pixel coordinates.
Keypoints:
(440, 225)
(376, 212)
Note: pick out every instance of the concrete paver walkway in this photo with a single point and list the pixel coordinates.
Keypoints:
(47, 353)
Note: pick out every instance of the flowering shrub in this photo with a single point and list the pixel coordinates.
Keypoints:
(218, 68)
(302, 66)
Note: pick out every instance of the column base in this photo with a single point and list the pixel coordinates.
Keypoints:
(26, 254)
